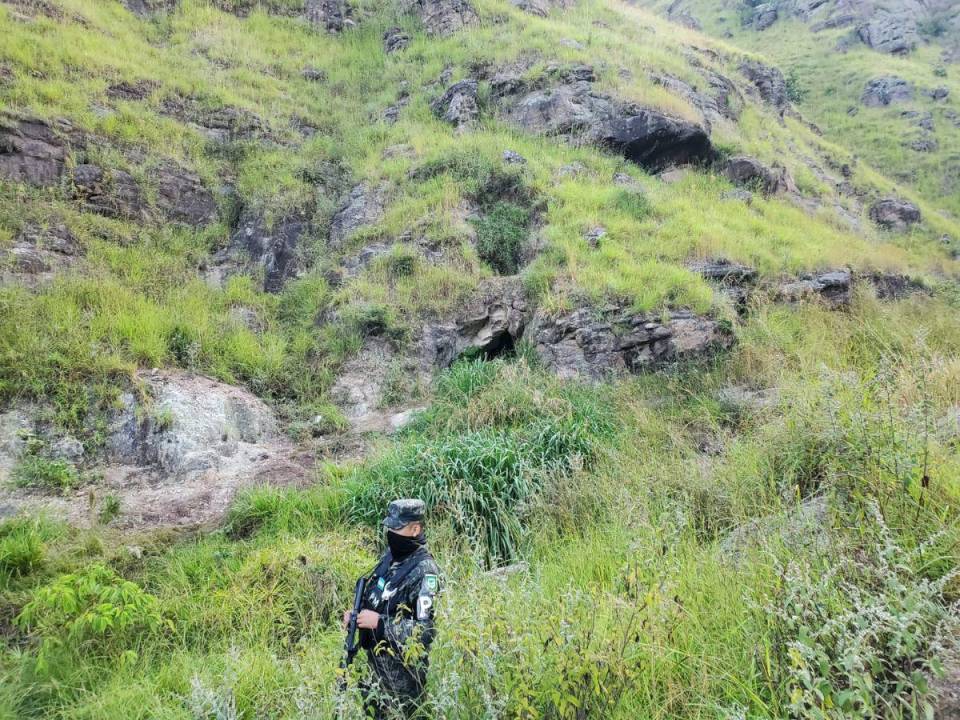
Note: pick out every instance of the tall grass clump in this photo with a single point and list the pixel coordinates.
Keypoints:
(485, 451)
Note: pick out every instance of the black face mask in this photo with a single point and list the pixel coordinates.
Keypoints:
(401, 545)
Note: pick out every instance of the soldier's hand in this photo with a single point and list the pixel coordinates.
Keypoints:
(368, 620)
(346, 618)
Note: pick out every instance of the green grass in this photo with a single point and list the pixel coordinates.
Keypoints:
(617, 499)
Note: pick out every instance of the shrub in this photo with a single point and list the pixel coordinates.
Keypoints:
(855, 640)
(500, 236)
(92, 609)
(796, 93)
(38, 472)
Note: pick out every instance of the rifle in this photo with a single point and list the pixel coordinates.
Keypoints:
(350, 645)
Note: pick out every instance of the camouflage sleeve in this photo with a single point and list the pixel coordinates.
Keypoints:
(417, 622)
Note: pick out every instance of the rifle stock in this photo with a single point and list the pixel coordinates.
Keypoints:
(350, 645)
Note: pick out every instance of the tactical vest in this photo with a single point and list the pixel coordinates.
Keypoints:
(383, 586)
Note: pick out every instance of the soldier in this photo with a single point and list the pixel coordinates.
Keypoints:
(396, 622)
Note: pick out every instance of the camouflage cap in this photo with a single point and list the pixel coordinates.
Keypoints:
(403, 512)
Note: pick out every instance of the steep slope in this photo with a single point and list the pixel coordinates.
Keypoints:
(841, 58)
(669, 348)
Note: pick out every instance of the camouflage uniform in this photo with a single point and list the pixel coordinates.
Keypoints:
(402, 592)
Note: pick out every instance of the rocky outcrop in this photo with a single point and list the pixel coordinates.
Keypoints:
(764, 16)
(458, 104)
(395, 40)
(146, 8)
(37, 254)
(715, 105)
(645, 136)
(769, 83)
(488, 326)
(890, 32)
(330, 15)
(749, 172)
(833, 288)
(611, 341)
(175, 454)
(271, 248)
(895, 214)
(180, 197)
(884, 91)
(733, 280)
(113, 193)
(363, 207)
(541, 8)
(679, 13)
(219, 125)
(35, 151)
(444, 17)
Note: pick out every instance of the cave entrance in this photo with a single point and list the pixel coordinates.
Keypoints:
(500, 345)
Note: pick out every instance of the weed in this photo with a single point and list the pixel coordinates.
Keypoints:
(34, 471)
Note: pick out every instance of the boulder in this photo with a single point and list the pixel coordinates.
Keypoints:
(939, 93)
(894, 214)
(884, 91)
(894, 286)
(769, 82)
(714, 107)
(458, 105)
(314, 74)
(645, 136)
(364, 206)
(611, 341)
(35, 151)
(130, 92)
(513, 158)
(679, 13)
(890, 32)
(395, 40)
(833, 288)
(221, 124)
(746, 171)
(488, 326)
(444, 17)
(16, 426)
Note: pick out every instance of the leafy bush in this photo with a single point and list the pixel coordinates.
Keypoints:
(39, 472)
(796, 92)
(855, 640)
(500, 236)
(92, 609)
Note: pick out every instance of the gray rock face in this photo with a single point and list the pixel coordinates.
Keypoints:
(613, 341)
(541, 8)
(764, 16)
(273, 248)
(679, 13)
(181, 197)
(364, 207)
(715, 106)
(16, 425)
(113, 193)
(890, 32)
(37, 254)
(34, 151)
(833, 288)
(444, 17)
(220, 125)
(884, 91)
(330, 15)
(395, 40)
(769, 82)
(489, 325)
(750, 172)
(734, 280)
(645, 136)
(458, 105)
(146, 8)
(192, 425)
(894, 214)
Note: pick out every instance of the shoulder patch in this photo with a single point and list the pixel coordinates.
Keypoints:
(431, 582)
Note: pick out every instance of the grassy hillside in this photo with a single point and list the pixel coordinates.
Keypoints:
(770, 532)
